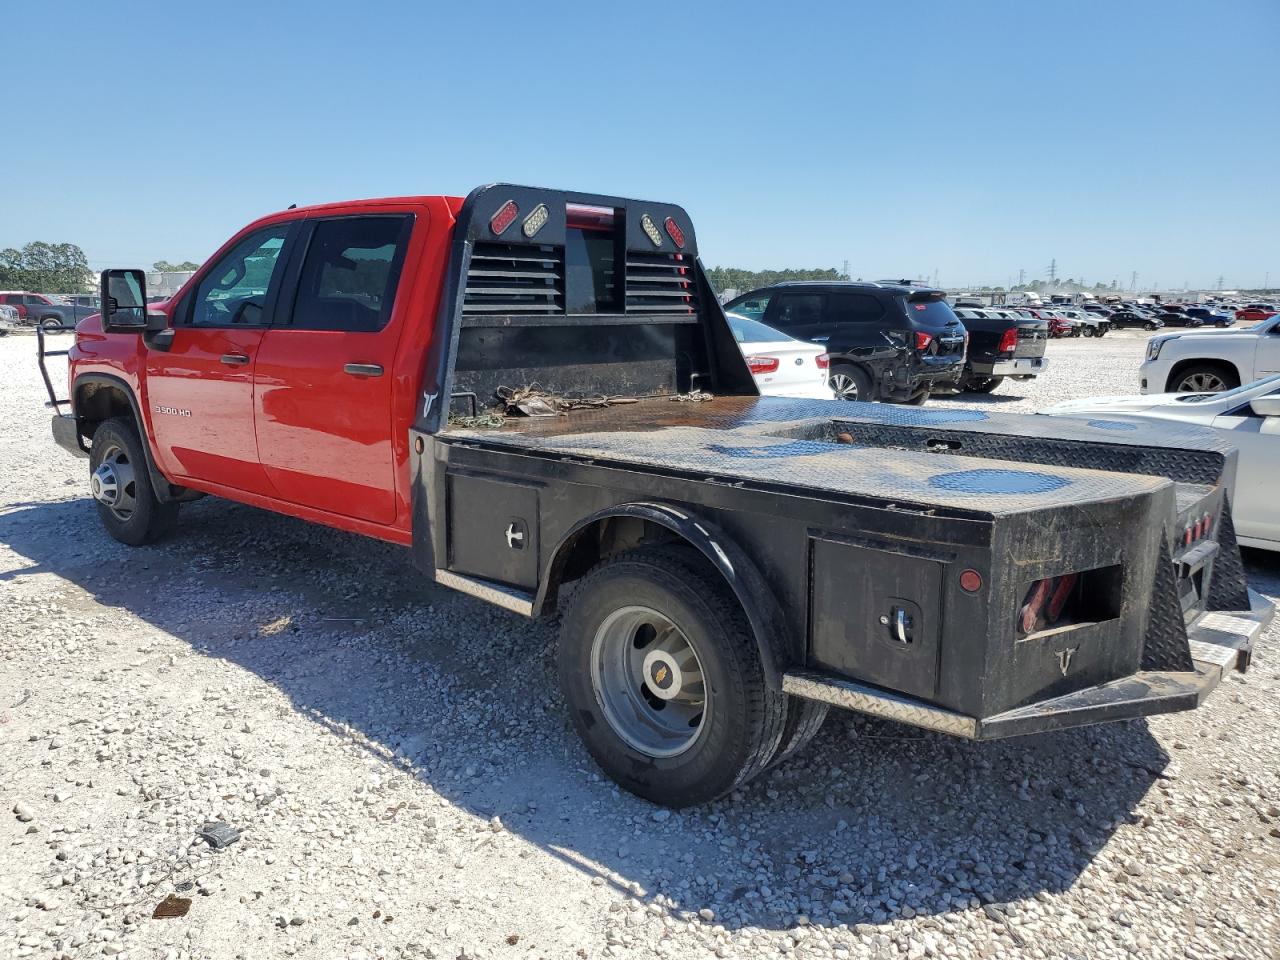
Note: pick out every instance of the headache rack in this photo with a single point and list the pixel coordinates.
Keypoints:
(577, 296)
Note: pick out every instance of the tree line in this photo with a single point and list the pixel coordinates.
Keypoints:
(44, 268)
(735, 278)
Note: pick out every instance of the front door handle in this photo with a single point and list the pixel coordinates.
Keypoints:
(234, 359)
(364, 369)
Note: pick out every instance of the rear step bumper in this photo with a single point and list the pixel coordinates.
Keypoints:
(1220, 642)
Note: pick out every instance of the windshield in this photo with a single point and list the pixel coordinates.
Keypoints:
(746, 330)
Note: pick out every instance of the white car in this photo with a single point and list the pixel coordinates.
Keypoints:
(1208, 360)
(782, 365)
(1248, 416)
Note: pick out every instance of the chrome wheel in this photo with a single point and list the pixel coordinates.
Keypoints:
(648, 681)
(844, 386)
(113, 484)
(1202, 382)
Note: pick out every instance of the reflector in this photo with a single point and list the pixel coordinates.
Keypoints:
(505, 216)
(651, 230)
(674, 231)
(536, 220)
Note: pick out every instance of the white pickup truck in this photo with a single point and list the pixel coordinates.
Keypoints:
(1211, 360)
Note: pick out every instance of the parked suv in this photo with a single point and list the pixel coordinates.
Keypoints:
(887, 341)
(1002, 343)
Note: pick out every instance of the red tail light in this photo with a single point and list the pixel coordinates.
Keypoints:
(823, 360)
(1009, 341)
(505, 216)
(674, 231)
(922, 341)
(763, 364)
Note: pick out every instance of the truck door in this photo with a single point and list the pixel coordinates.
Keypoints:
(200, 390)
(1267, 360)
(324, 374)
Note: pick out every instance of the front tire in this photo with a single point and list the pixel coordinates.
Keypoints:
(1150, 326)
(51, 325)
(121, 486)
(663, 679)
(1204, 378)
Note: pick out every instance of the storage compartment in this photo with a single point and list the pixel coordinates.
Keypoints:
(875, 615)
(493, 529)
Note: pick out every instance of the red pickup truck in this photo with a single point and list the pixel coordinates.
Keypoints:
(532, 389)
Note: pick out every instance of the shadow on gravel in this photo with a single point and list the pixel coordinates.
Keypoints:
(873, 821)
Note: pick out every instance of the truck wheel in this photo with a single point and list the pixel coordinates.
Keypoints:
(850, 383)
(51, 324)
(1204, 378)
(663, 679)
(804, 720)
(1088, 331)
(1149, 325)
(121, 486)
(984, 384)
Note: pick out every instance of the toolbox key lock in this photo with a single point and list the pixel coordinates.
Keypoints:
(900, 623)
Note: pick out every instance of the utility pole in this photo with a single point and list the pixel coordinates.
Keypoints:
(1022, 277)
(1133, 280)
(1221, 280)
(846, 268)
(1053, 270)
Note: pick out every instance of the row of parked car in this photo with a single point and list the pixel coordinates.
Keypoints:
(892, 340)
(24, 308)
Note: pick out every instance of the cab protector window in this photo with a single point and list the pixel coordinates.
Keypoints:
(349, 278)
(590, 275)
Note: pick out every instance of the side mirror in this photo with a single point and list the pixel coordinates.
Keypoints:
(124, 303)
(1267, 406)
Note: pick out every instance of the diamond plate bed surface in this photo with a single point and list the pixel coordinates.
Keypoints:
(795, 442)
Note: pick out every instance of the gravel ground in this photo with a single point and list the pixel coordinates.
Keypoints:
(396, 761)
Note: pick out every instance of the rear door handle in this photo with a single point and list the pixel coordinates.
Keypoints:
(364, 369)
(234, 359)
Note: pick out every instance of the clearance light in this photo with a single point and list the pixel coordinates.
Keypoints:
(651, 230)
(536, 220)
(763, 364)
(970, 581)
(505, 216)
(674, 231)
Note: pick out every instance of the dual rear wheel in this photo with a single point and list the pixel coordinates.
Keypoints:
(664, 681)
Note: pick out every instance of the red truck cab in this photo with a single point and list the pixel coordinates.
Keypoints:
(280, 374)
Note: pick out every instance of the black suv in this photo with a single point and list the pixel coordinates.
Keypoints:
(887, 341)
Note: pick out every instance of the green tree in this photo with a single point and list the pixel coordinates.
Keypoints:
(164, 266)
(736, 278)
(44, 268)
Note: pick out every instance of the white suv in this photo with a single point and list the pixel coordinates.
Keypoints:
(1211, 360)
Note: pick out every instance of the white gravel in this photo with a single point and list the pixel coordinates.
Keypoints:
(396, 761)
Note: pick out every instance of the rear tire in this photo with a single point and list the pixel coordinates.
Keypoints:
(636, 609)
(983, 384)
(51, 324)
(1204, 378)
(121, 486)
(849, 382)
(804, 720)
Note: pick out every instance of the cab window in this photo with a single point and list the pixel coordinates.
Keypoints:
(350, 274)
(234, 291)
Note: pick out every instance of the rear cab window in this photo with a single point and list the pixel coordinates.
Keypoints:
(350, 273)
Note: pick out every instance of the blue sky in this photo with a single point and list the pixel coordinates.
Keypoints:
(974, 139)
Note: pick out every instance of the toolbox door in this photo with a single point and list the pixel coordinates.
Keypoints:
(493, 529)
(875, 615)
